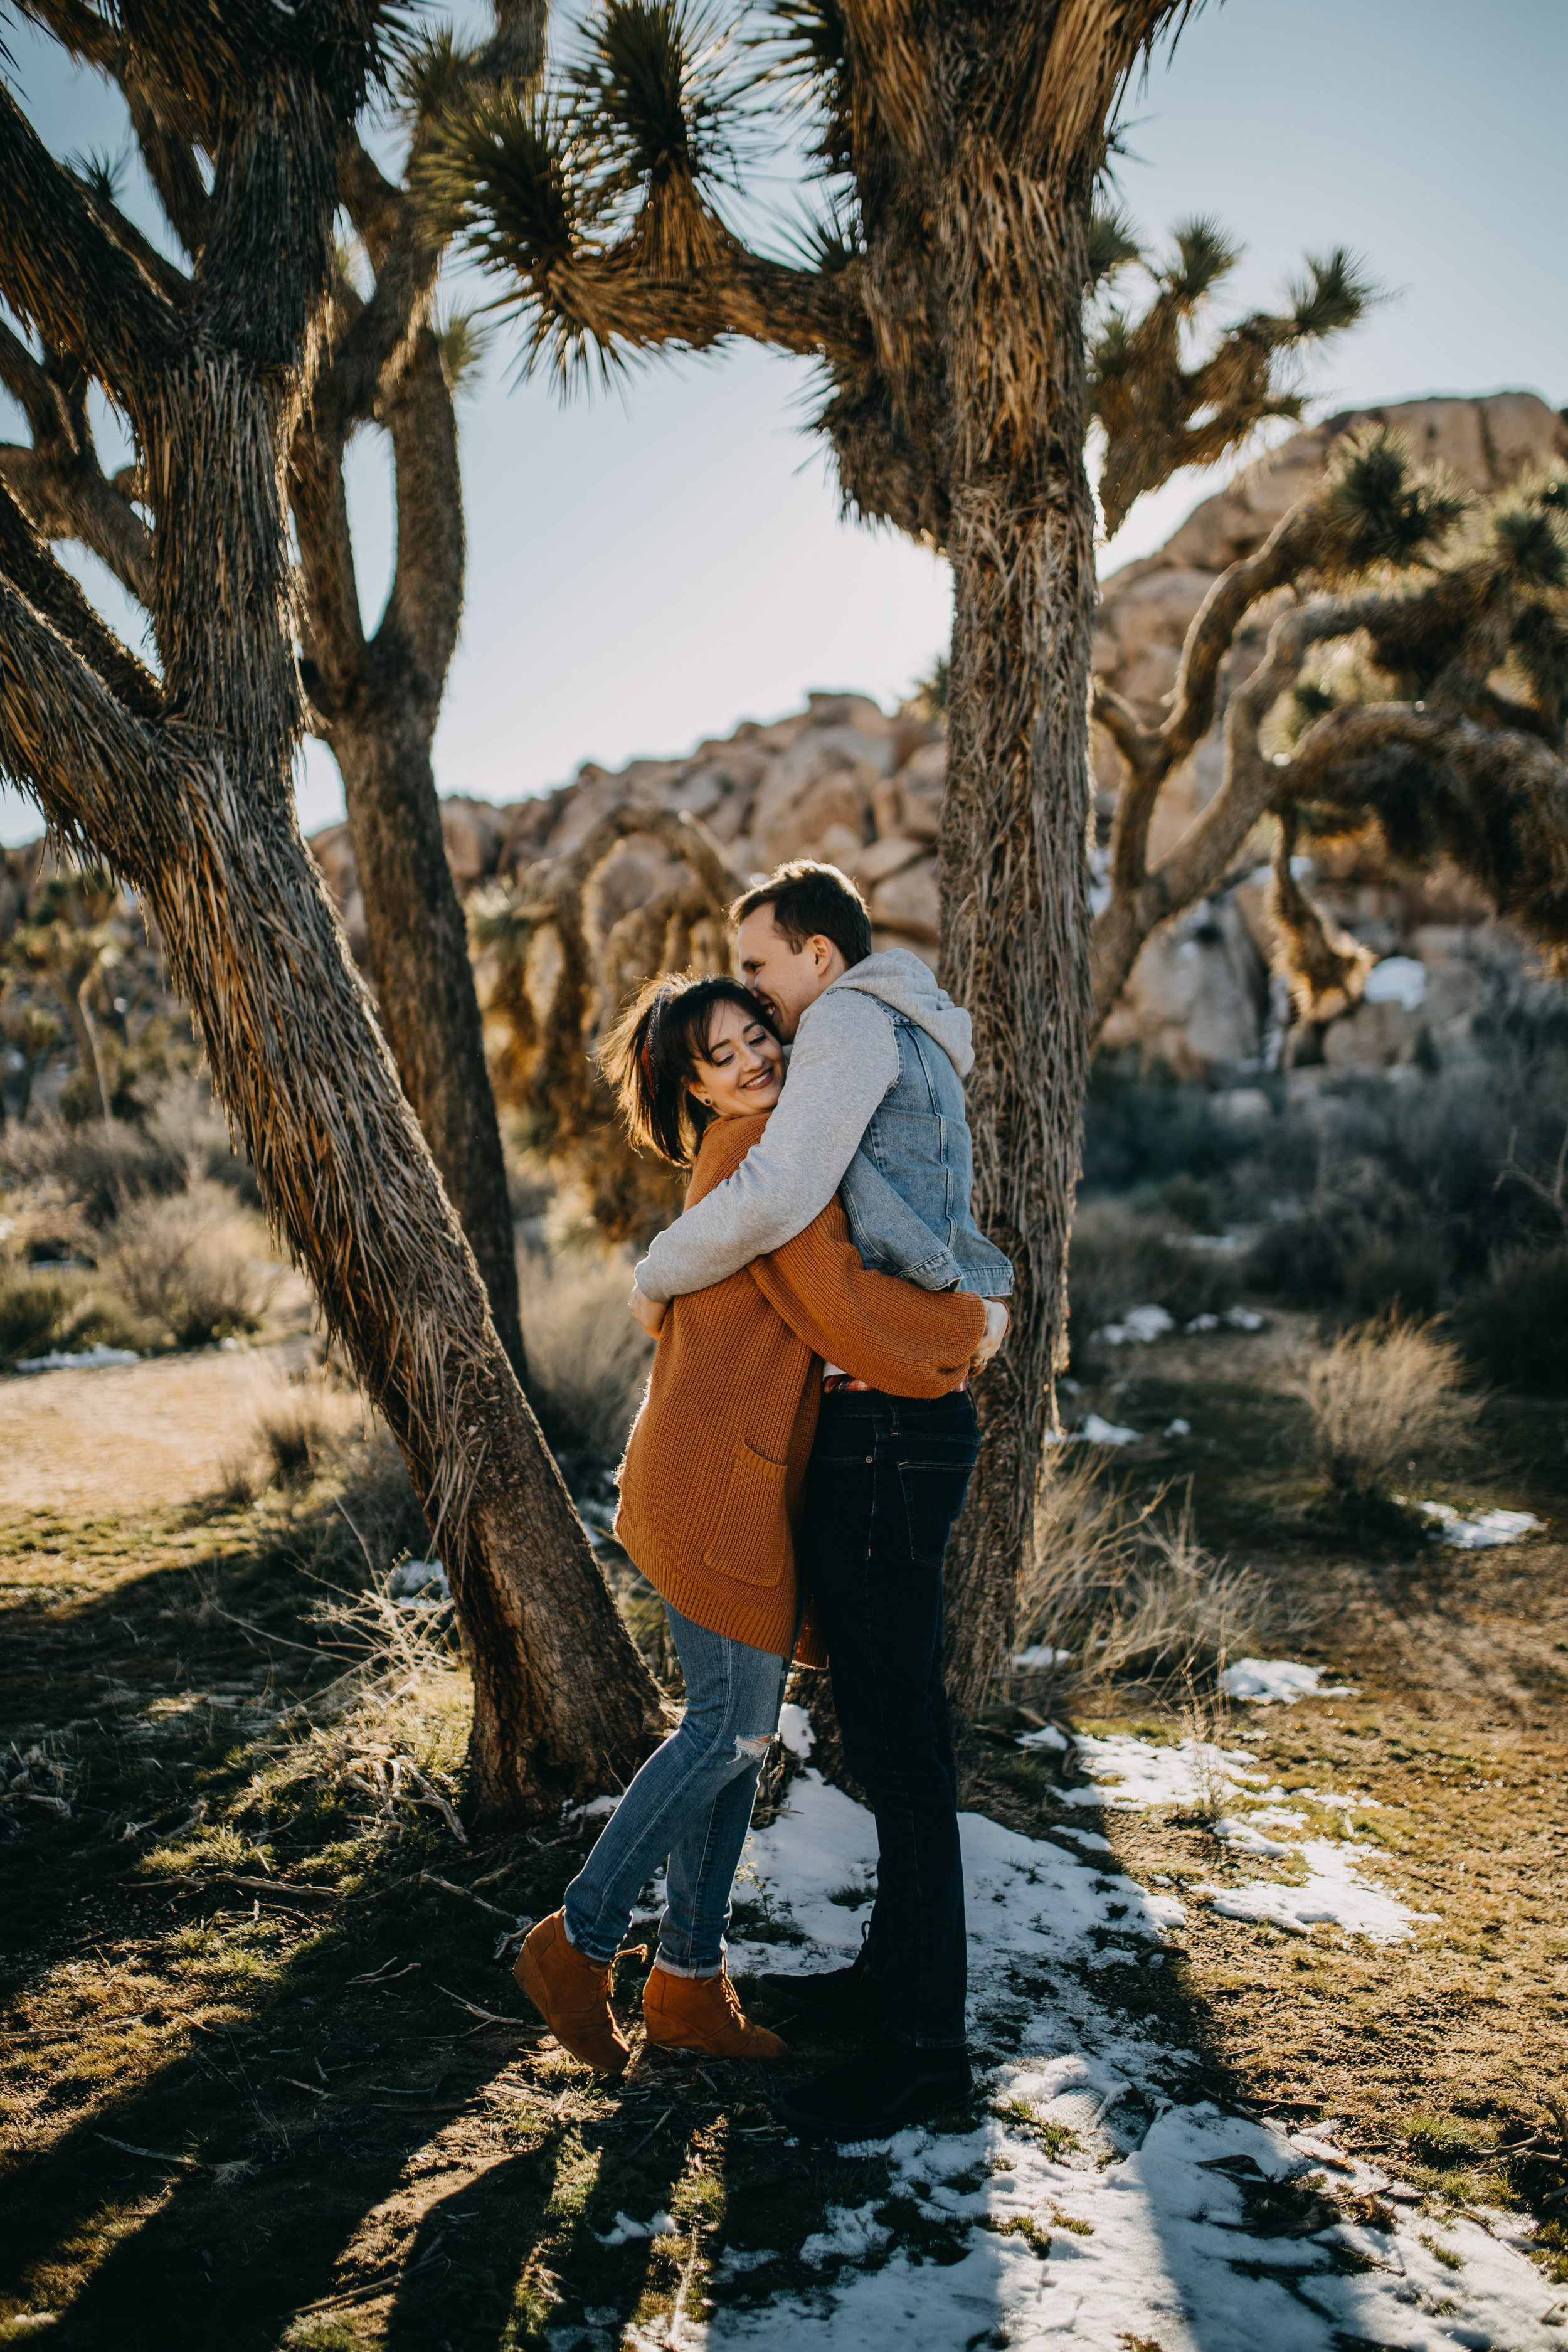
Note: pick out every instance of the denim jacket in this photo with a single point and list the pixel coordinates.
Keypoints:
(907, 1190)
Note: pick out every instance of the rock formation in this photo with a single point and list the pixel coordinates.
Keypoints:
(842, 781)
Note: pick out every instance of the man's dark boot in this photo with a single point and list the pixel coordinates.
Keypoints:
(845, 2001)
(894, 2084)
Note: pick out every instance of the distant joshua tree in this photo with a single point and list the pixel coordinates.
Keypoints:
(1416, 679)
(183, 784)
(942, 289)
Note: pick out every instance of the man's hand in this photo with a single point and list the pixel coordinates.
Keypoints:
(996, 1322)
(650, 1312)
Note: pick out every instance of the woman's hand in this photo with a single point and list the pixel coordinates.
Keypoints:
(650, 1312)
(996, 1322)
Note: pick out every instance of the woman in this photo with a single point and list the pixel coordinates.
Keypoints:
(713, 1479)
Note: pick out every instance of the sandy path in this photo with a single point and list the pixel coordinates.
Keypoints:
(132, 1435)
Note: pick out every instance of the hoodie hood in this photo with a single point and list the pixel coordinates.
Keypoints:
(906, 985)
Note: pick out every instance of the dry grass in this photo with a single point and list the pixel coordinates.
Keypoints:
(1383, 1396)
(192, 1265)
(300, 1423)
(1127, 1590)
(588, 1360)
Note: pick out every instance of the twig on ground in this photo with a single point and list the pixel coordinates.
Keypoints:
(474, 2009)
(380, 1976)
(429, 1878)
(648, 2135)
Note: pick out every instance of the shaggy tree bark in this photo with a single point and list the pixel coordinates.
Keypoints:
(185, 788)
(1015, 818)
(375, 701)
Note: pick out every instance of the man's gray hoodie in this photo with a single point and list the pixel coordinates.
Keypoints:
(845, 1060)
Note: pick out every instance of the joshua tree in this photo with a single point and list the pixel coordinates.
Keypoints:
(942, 293)
(375, 700)
(183, 784)
(1417, 679)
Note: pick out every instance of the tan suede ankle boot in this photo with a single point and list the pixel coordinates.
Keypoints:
(702, 2014)
(571, 1993)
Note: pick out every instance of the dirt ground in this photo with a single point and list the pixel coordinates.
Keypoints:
(250, 2096)
(129, 1437)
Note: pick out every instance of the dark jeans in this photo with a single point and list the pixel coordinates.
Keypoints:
(886, 1481)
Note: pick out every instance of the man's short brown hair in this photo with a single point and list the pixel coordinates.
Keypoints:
(811, 901)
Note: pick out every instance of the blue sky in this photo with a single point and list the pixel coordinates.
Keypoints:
(652, 566)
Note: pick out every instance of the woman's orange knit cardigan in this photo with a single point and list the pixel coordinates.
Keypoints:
(715, 1467)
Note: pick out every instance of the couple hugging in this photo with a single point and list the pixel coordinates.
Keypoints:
(791, 1480)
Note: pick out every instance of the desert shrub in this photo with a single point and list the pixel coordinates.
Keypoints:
(1387, 1273)
(1142, 1125)
(190, 1265)
(34, 1311)
(1124, 1257)
(177, 1139)
(1516, 1322)
(302, 1424)
(42, 1313)
(100, 1164)
(1116, 1591)
(588, 1360)
(1381, 1396)
(1187, 1201)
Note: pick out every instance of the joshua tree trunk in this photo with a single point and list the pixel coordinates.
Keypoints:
(184, 788)
(424, 980)
(1016, 940)
(376, 702)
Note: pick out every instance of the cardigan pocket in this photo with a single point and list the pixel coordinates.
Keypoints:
(750, 1543)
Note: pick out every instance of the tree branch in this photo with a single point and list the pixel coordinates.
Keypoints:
(78, 501)
(50, 592)
(333, 634)
(61, 270)
(427, 600)
(68, 741)
(1204, 855)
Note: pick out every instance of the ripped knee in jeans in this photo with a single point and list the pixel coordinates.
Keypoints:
(753, 1751)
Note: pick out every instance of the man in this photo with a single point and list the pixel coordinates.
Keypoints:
(873, 1109)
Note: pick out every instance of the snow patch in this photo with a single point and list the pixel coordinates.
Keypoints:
(88, 1359)
(1479, 1534)
(1040, 1654)
(597, 1809)
(1095, 1431)
(1141, 2220)
(419, 1579)
(1334, 1894)
(1131, 1775)
(795, 1731)
(625, 2230)
(1139, 1323)
(1267, 1681)
(852, 2232)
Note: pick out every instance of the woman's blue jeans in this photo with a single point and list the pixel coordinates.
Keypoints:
(691, 1805)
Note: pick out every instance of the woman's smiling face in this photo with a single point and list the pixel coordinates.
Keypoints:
(742, 1068)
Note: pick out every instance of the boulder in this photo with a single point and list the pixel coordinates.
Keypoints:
(473, 841)
(910, 902)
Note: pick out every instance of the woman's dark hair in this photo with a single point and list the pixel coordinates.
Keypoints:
(653, 1050)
